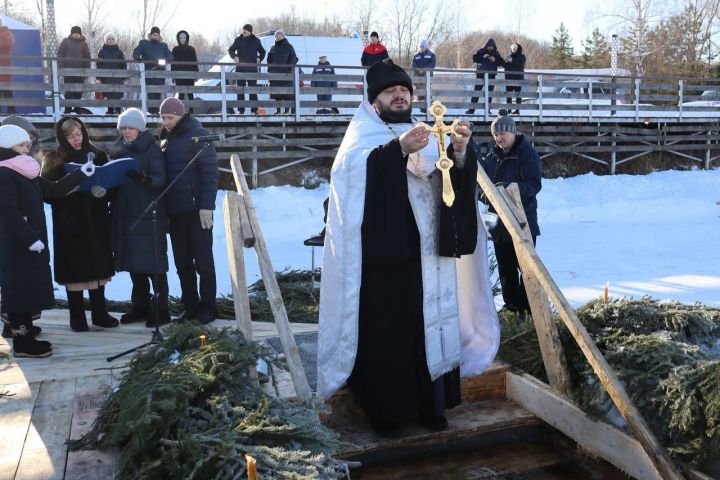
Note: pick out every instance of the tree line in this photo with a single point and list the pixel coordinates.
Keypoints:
(655, 37)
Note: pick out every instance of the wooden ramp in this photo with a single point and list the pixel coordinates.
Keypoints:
(44, 402)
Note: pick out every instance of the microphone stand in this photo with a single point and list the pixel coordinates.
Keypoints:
(151, 209)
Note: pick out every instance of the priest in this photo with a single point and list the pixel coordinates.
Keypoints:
(406, 306)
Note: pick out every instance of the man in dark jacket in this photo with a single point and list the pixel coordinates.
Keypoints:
(513, 160)
(74, 52)
(423, 61)
(374, 52)
(247, 52)
(155, 54)
(514, 70)
(110, 57)
(190, 204)
(487, 59)
(324, 68)
(183, 52)
(280, 58)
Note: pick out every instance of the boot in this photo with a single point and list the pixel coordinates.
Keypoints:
(135, 315)
(100, 316)
(24, 344)
(78, 321)
(7, 330)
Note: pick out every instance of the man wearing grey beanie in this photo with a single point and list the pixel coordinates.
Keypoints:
(512, 160)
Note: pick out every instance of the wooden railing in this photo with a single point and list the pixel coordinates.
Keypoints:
(545, 96)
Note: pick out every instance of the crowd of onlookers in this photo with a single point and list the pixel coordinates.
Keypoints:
(248, 52)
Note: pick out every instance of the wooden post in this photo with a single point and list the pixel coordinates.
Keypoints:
(296, 89)
(708, 143)
(248, 237)
(486, 92)
(254, 168)
(637, 99)
(292, 354)
(236, 260)
(548, 338)
(143, 89)
(540, 96)
(680, 99)
(223, 94)
(56, 89)
(602, 369)
(613, 150)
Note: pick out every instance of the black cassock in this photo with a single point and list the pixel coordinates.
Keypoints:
(390, 378)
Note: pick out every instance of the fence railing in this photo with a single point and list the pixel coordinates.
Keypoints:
(49, 89)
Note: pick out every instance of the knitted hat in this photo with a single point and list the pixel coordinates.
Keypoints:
(172, 106)
(75, 29)
(11, 135)
(423, 44)
(155, 30)
(383, 75)
(247, 27)
(22, 123)
(503, 123)
(110, 36)
(131, 118)
(375, 34)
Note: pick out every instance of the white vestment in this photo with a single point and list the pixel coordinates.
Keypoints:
(453, 288)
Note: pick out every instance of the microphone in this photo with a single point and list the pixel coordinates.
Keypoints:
(209, 138)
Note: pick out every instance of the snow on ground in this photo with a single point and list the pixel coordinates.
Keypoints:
(651, 235)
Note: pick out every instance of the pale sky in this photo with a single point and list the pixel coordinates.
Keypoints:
(539, 18)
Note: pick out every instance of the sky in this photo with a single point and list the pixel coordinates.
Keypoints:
(536, 18)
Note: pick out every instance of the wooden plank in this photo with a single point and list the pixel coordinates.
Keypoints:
(599, 438)
(548, 338)
(16, 406)
(292, 354)
(88, 464)
(598, 363)
(236, 260)
(45, 450)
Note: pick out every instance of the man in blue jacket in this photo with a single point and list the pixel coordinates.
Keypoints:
(487, 59)
(247, 52)
(513, 160)
(423, 61)
(155, 54)
(190, 204)
(324, 68)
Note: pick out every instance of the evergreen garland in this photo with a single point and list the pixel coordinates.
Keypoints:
(666, 354)
(188, 411)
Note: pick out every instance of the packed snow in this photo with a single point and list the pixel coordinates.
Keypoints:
(655, 234)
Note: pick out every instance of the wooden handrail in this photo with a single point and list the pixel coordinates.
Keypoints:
(665, 466)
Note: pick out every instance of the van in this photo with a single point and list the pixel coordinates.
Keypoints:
(341, 52)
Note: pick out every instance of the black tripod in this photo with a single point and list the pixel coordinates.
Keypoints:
(151, 209)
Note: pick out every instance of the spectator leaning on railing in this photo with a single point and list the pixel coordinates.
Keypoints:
(74, 52)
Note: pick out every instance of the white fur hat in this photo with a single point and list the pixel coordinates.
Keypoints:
(10, 135)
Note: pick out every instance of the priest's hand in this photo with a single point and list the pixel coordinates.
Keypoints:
(460, 143)
(414, 140)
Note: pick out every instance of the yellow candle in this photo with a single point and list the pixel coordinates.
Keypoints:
(606, 297)
(251, 467)
(202, 340)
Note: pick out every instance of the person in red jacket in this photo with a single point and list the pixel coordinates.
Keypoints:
(374, 52)
(7, 42)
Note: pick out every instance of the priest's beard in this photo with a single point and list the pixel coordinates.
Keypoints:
(393, 116)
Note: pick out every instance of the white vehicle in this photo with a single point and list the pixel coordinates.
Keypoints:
(341, 52)
(709, 98)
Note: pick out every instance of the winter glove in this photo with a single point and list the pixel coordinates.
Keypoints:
(38, 246)
(139, 177)
(97, 191)
(206, 219)
(88, 169)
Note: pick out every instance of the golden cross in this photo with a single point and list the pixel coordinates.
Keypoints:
(439, 129)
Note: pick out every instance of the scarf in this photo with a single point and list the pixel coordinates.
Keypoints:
(25, 165)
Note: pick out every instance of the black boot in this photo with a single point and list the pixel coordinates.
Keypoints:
(24, 344)
(7, 331)
(135, 315)
(78, 321)
(100, 316)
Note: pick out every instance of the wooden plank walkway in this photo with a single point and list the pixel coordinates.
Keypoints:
(44, 402)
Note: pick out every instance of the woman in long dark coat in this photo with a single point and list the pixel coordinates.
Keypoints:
(184, 52)
(81, 229)
(279, 59)
(24, 259)
(133, 249)
(111, 51)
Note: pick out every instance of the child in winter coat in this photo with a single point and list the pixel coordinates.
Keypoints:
(26, 280)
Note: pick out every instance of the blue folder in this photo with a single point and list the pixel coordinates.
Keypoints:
(112, 174)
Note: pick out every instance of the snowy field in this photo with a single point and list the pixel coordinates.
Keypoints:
(656, 235)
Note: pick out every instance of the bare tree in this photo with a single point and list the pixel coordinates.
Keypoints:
(638, 19)
(360, 18)
(155, 13)
(93, 24)
(409, 21)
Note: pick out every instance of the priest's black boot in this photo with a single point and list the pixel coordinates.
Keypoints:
(24, 344)
(100, 316)
(78, 321)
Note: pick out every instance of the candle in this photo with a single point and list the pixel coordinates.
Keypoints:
(605, 293)
(251, 467)
(202, 340)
